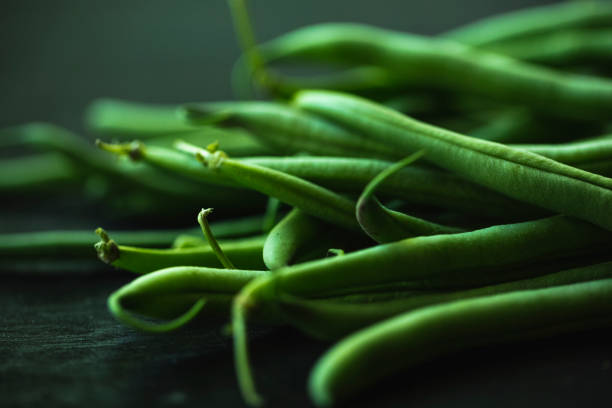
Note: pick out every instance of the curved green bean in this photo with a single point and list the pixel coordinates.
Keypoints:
(294, 231)
(212, 242)
(385, 225)
(518, 174)
(177, 293)
(384, 348)
(299, 237)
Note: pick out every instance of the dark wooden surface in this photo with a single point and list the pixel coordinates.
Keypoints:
(60, 347)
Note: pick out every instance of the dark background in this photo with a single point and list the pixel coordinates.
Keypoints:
(58, 344)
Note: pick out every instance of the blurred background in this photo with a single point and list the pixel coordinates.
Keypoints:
(57, 56)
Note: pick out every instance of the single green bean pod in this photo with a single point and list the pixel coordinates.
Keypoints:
(368, 356)
(176, 295)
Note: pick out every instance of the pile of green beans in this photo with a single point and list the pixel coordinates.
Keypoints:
(442, 187)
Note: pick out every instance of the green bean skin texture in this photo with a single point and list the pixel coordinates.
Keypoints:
(411, 338)
(533, 21)
(286, 129)
(245, 253)
(518, 174)
(212, 241)
(440, 64)
(309, 197)
(451, 261)
(385, 225)
(172, 292)
(335, 318)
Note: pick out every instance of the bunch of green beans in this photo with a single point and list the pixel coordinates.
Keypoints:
(484, 215)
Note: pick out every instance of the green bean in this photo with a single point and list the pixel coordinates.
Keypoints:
(178, 291)
(382, 349)
(335, 318)
(518, 174)
(162, 125)
(533, 21)
(79, 244)
(214, 245)
(245, 252)
(441, 64)
(40, 172)
(133, 119)
(299, 237)
(271, 214)
(232, 228)
(524, 126)
(286, 129)
(385, 225)
(309, 197)
(571, 47)
(288, 236)
(575, 153)
(223, 193)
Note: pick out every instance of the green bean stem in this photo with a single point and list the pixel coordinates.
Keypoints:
(246, 253)
(385, 225)
(291, 190)
(214, 245)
